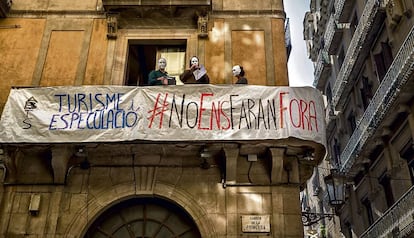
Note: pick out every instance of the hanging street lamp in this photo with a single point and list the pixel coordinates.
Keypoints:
(335, 184)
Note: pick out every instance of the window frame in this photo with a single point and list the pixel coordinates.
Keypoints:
(116, 67)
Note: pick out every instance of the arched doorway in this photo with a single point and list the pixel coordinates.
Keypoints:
(144, 217)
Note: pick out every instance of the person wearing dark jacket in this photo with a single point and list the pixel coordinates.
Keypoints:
(160, 76)
(196, 74)
(238, 72)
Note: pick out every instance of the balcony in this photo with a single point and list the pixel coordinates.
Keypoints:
(399, 218)
(390, 89)
(330, 117)
(322, 69)
(333, 35)
(4, 7)
(200, 121)
(364, 35)
(161, 13)
(126, 3)
(148, 6)
(343, 10)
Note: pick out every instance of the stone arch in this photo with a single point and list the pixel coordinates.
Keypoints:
(109, 196)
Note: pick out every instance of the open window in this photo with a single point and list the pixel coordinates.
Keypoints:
(144, 54)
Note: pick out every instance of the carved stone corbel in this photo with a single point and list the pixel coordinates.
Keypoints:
(202, 24)
(231, 155)
(112, 25)
(11, 158)
(60, 158)
(277, 170)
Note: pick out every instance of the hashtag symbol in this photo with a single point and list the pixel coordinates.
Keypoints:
(159, 109)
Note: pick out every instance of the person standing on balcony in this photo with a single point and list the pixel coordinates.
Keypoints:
(238, 72)
(196, 74)
(160, 76)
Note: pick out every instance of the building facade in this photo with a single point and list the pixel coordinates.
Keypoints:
(205, 185)
(363, 63)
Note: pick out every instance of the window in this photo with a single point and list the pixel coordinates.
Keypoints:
(341, 57)
(408, 155)
(351, 122)
(368, 211)
(329, 92)
(144, 217)
(348, 230)
(144, 54)
(337, 152)
(354, 24)
(315, 182)
(366, 92)
(330, 107)
(383, 60)
(385, 182)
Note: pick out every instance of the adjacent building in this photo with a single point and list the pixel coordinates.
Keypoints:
(88, 149)
(363, 54)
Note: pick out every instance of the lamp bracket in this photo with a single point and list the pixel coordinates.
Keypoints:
(310, 218)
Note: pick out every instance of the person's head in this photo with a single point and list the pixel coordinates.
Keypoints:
(162, 63)
(238, 71)
(194, 61)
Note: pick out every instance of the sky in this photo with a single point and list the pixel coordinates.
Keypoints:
(300, 67)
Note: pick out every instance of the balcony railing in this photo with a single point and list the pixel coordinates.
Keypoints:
(343, 10)
(330, 32)
(395, 79)
(147, 7)
(358, 40)
(339, 7)
(156, 3)
(332, 37)
(323, 63)
(319, 62)
(400, 215)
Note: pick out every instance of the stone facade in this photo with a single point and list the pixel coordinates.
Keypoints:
(60, 190)
(363, 57)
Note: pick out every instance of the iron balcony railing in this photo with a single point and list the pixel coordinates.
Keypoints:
(339, 7)
(343, 10)
(399, 217)
(332, 28)
(328, 36)
(360, 36)
(322, 62)
(389, 89)
(330, 32)
(159, 2)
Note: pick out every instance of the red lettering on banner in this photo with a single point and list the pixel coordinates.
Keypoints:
(312, 116)
(281, 107)
(297, 112)
(201, 111)
(207, 114)
(225, 116)
(305, 113)
(302, 114)
(216, 113)
(158, 110)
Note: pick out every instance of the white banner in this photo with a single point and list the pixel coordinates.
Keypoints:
(162, 113)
